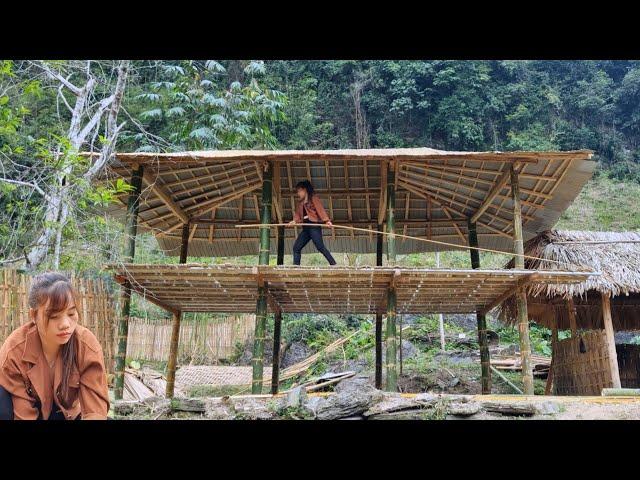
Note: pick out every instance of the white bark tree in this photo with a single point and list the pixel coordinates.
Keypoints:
(89, 116)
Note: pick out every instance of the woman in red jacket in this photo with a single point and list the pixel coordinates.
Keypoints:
(310, 210)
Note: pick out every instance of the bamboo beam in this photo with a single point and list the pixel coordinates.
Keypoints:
(131, 229)
(165, 197)
(483, 342)
(493, 193)
(521, 295)
(382, 206)
(261, 304)
(611, 341)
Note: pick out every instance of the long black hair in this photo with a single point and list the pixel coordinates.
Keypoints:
(306, 185)
(57, 290)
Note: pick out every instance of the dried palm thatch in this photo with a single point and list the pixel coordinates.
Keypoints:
(615, 255)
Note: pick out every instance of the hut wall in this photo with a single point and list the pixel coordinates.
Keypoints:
(629, 365)
(581, 365)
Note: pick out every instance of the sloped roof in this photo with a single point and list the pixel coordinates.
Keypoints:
(436, 192)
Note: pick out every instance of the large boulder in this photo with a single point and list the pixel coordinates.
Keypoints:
(352, 397)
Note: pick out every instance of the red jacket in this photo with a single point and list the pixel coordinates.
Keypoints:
(315, 211)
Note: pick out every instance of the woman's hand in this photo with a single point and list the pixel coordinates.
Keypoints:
(292, 222)
(329, 224)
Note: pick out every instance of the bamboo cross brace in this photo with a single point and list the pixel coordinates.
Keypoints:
(409, 237)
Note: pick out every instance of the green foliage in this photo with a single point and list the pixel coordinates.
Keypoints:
(539, 336)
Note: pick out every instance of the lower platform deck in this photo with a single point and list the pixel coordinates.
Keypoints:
(348, 290)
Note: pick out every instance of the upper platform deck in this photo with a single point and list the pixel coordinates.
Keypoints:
(294, 289)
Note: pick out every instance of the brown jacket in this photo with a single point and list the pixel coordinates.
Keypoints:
(315, 211)
(25, 374)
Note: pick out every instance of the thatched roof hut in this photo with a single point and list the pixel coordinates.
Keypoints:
(615, 255)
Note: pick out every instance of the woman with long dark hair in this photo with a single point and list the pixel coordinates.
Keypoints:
(51, 368)
(309, 211)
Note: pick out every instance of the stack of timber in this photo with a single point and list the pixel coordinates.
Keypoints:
(540, 364)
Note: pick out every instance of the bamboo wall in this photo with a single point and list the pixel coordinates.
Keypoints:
(97, 308)
(203, 342)
(581, 365)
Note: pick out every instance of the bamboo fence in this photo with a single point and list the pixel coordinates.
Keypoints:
(202, 341)
(96, 306)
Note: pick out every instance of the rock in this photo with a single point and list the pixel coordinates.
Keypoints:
(392, 402)
(296, 397)
(509, 408)
(548, 408)
(247, 408)
(125, 407)
(296, 352)
(188, 404)
(313, 404)
(414, 414)
(352, 396)
(219, 409)
(462, 409)
(408, 351)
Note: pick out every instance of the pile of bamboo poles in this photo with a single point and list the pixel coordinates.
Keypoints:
(539, 363)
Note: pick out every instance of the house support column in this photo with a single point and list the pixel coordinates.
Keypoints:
(277, 323)
(485, 360)
(554, 347)
(378, 382)
(611, 341)
(175, 324)
(261, 304)
(131, 229)
(521, 295)
(390, 360)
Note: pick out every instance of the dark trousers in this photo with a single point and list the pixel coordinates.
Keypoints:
(314, 234)
(6, 408)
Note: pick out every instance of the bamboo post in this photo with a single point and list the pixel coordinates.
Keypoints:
(440, 316)
(379, 316)
(390, 360)
(261, 304)
(554, 342)
(277, 323)
(392, 374)
(521, 295)
(176, 320)
(173, 353)
(280, 251)
(485, 360)
(611, 341)
(573, 317)
(131, 229)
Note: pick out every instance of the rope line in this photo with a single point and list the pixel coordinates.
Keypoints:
(409, 237)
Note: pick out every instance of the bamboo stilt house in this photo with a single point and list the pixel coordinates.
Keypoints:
(388, 200)
(591, 310)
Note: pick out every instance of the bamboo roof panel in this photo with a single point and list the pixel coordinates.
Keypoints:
(295, 289)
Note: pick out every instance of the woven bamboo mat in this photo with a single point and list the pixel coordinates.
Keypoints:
(192, 375)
